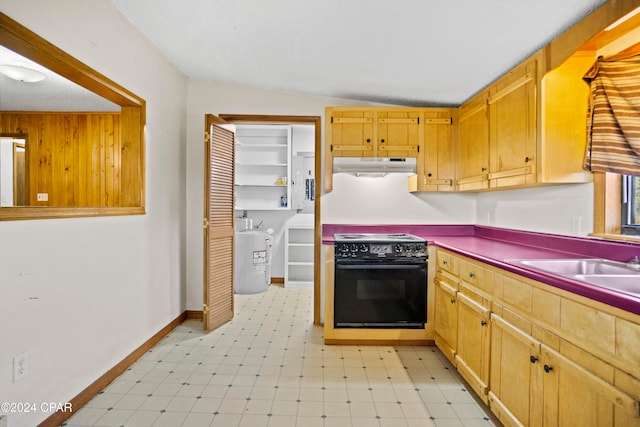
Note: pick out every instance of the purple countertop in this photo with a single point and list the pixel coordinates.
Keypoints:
(494, 246)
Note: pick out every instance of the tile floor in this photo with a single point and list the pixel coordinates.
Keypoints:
(270, 367)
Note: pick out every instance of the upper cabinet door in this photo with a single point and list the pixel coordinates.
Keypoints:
(473, 144)
(439, 165)
(351, 133)
(398, 133)
(512, 125)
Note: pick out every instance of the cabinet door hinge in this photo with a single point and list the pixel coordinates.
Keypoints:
(205, 223)
(332, 119)
(451, 120)
(418, 120)
(418, 148)
(331, 148)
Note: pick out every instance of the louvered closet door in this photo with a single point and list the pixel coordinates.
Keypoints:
(218, 247)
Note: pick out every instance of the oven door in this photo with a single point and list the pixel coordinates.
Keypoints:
(380, 295)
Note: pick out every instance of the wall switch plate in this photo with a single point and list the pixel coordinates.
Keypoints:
(42, 197)
(576, 225)
(20, 366)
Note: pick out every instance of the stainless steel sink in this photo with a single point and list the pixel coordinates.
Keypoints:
(629, 284)
(578, 266)
(613, 275)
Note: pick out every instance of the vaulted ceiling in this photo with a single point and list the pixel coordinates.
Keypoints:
(406, 52)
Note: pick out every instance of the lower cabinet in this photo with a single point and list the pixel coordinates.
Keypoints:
(514, 355)
(573, 395)
(518, 345)
(472, 357)
(462, 315)
(446, 318)
(534, 385)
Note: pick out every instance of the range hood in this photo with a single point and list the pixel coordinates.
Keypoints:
(374, 165)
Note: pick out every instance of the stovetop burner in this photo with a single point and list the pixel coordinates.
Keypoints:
(377, 237)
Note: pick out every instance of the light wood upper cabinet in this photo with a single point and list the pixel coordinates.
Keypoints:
(351, 133)
(398, 133)
(473, 144)
(436, 163)
(526, 129)
(373, 132)
(512, 127)
(370, 132)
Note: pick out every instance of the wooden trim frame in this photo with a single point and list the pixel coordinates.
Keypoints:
(94, 388)
(607, 209)
(607, 200)
(133, 118)
(317, 226)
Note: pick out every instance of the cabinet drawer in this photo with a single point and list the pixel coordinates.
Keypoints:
(477, 276)
(447, 262)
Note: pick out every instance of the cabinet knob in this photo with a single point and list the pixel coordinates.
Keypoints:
(533, 359)
(453, 300)
(368, 139)
(429, 175)
(527, 159)
(483, 169)
(548, 368)
(382, 140)
(483, 323)
(445, 262)
(472, 275)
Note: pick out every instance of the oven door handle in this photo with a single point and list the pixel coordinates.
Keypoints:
(381, 266)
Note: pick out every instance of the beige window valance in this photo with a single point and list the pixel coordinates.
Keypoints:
(613, 122)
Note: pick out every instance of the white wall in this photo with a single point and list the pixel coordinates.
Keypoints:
(361, 201)
(562, 209)
(373, 200)
(207, 97)
(78, 295)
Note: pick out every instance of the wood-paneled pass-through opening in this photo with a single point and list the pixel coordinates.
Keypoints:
(76, 163)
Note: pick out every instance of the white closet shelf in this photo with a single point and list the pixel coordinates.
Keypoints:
(251, 165)
(261, 146)
(261, 185)
(260, 208)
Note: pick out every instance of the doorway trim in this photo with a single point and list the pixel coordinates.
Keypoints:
(317, 225)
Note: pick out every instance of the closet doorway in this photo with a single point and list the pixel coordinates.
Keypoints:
(314, 121)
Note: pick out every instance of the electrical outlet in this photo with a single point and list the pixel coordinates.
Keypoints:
(20, 366)
(42, 197)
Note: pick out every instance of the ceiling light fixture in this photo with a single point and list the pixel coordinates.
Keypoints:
(623, 19)
(22, 74)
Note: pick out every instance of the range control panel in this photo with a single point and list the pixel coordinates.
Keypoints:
(363, 250)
